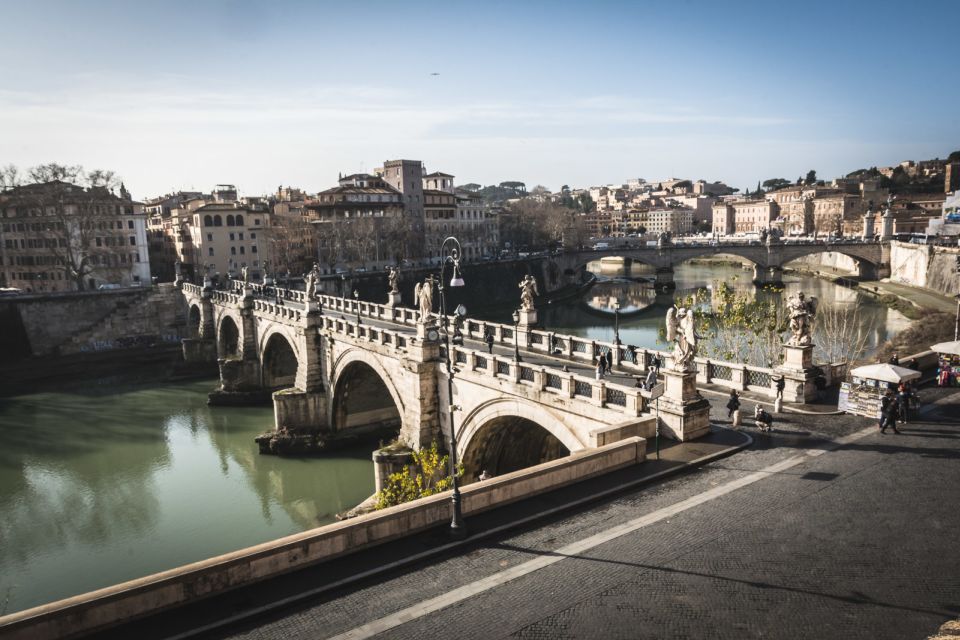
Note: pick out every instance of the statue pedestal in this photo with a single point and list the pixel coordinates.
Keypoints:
(528, 318)
(393, 299)
(684, 414)
(312, 305)
(798, 374)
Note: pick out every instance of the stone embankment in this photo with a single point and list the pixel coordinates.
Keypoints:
(89, 322)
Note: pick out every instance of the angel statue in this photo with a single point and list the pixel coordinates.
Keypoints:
(423, 294)
(680, 331)
(393, 279)
(528, 289)
(802, 313)
(311, 282)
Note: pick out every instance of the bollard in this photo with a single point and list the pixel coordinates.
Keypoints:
(736, 420)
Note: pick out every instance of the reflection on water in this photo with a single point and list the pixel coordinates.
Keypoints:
(593, 318)
(115, 481)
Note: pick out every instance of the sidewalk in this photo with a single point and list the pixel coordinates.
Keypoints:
(369, 564)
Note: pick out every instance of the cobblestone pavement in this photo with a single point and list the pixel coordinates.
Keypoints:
(857, 542)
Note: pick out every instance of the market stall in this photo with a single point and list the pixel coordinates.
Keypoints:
(948, 362)
(861, 396)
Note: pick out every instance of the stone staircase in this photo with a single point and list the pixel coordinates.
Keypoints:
(156, 316)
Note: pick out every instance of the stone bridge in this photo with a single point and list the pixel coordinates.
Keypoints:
(343, 367)
(871, 258)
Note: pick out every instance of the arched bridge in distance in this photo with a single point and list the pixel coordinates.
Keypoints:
(871, 259)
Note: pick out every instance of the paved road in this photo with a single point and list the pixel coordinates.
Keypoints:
(823, 530)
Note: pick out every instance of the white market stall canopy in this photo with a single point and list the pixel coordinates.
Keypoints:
(953, 348)
(885, 373)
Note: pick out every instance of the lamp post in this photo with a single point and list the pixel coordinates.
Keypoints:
(516, 343)
(356, 300)
(457, 528)
(616, 322)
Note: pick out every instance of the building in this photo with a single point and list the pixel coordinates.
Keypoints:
(724, 222)
(406, 176)
(675, 221)
(58, 236)
(831, 212)
(225, 237)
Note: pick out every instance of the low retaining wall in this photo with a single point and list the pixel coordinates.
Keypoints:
(123, 602)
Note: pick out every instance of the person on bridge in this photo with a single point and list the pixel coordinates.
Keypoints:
(651, 380)
(600, 367)
(610, 361)
(489, 341)
(733, 404)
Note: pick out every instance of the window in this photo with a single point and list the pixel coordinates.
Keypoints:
(99, 242)
(217, 221)
(243, 250)
(231, 233)
(256, 222)
(239, 221)
(230, 221)
(253, 236)
(253, 249)
(240, 236)
(210, 251)
(233, 251)
(133, 240)
(129, 224)
(209, 237)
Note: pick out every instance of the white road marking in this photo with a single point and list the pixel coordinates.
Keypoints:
(485, 584)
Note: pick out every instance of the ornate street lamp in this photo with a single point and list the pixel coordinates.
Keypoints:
(616, 322)
(356, 300)
(516, 344)
(457, 528)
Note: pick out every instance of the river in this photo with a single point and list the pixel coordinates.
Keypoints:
(108, 480)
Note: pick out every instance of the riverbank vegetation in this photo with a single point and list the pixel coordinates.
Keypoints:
(934, 327)
(427, 474)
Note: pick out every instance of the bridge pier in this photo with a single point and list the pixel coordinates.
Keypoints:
(664, 279)
(240, 376)
(202, 349)
(305, 406)
(767, 276)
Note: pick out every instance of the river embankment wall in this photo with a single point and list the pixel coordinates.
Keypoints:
(89, 612)
(918, 265)
(57, 324)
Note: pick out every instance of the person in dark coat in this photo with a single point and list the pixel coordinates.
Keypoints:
(610, 360)
(888, 412)
(733, 403)
(489, 341)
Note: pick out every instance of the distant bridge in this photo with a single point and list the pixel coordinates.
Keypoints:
(872, 259)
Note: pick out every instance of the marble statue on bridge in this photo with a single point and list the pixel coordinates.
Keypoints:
(681, 331)
(528, 289)
(311, 282)
(393, 279)
(423, 294)
(802, 312)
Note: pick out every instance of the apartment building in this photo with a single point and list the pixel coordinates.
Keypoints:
(58, 236)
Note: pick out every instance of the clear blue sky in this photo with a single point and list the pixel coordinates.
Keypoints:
(176, 94)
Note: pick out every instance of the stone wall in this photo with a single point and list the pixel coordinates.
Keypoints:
(59, 324)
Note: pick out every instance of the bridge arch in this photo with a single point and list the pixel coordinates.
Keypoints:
(279, 361)
(507, 434)
(228, 337)
(352, 371)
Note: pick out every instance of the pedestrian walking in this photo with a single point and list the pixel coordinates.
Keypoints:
(903, 402)
(600, 362)
(610, 360)
(651, 380)
(781, 385)
(733, 403)
(489, 341)
(888, 412)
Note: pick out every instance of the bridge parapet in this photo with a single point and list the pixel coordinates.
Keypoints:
(550, 385)
(225, 298)
(278, 312)
(399, 315)
(192, 289)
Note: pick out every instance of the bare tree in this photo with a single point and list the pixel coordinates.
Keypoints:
(842, 333)
(72, 216)
(292, 243)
